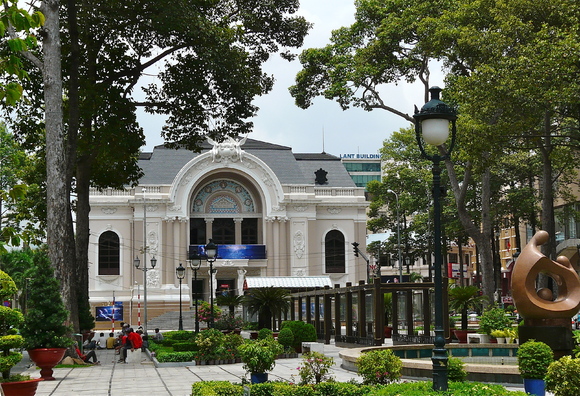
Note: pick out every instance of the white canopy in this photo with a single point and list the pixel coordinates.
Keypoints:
(289, 282)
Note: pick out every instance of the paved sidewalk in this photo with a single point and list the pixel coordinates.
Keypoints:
(118, 379)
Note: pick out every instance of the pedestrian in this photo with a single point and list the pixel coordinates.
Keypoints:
(132, 341)
(91, 354)
(111, 341)
(158, 336)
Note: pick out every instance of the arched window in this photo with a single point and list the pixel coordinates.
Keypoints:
(109, 253)
(334, 252)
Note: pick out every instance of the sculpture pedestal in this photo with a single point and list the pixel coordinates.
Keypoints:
(557, 333)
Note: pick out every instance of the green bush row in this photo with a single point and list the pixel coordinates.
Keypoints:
(224, 388)
(185, 347)
(166, 357)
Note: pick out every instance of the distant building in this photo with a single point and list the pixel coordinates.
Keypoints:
(362, 168)
(271, 212)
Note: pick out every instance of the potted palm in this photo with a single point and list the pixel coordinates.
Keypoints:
(268, 303)
(45, 332)
(15, 385)
(461, 299)
(534, 358)
(259, 357)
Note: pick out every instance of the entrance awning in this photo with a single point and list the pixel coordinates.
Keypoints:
(288, 282)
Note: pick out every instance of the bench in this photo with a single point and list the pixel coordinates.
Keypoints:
(475, 338)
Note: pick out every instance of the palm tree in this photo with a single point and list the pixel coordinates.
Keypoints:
(230, 300)
(462, 298)
(268, 303)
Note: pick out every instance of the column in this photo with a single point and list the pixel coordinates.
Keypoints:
(238, 231)
(208, 228)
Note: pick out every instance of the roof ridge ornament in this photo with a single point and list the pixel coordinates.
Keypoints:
(230, 150)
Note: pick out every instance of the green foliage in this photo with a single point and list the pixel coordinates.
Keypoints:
(259, 356)
(303, 332)
(204, 312)
(379, 366)
(264, 333)
(179, 335)
(229, 322)
(456, 369)
(267, 302)
(534, 358)
(44, 323)
(494, 319)
(167, 357)
(286, 337)
(9, 319)
(463, 298)
(216, 388)
(185, 346)
(211, 344)
(315, 368)
(425, 388)
(86, 318)
(562, 377)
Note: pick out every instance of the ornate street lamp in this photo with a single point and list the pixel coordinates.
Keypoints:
(432, 127)
(195, 265)
(180, 272)
(137, 263)
(211, 256)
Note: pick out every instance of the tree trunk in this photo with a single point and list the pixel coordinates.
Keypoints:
(82, 229)
(548, 223)
(480, 232)
(59, 220)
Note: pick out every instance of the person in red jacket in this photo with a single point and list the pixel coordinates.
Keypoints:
(132, 341)
(91, 354)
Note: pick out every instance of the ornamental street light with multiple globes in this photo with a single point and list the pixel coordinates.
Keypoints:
(211, 256)
(195, 265)
(137, 263)
(432, 127)
(180, 272)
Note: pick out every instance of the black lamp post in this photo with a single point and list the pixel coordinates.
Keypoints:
(137, 263)
(195, 264)
(211, 256)
(432, 127)
(180, 272)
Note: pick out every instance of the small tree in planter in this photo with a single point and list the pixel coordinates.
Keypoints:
(463, 298)
(303, 332)
(46, 336)
(286, 338)
(379, 366)
(259, 357)
(534, 358)
(9, 321)
(494, 319)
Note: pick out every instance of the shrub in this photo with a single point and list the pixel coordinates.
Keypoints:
(264, 333)
(455, 370)
(534, 358)
(185, 346)
(179, 335)
(494, 319)
(425, 388)
(303, 332)
(165, 357)
(216, 388)
(9, 318)
(562, 377)
(259, 356)
(315, 368)
(286, 337)
(379, 366)
(229, 322)
(210, 344)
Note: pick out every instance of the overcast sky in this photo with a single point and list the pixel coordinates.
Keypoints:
(279, 121)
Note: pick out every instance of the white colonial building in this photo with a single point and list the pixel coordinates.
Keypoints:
(272, 213)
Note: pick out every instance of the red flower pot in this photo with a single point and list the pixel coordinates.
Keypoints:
(21, 388)
(46, 359)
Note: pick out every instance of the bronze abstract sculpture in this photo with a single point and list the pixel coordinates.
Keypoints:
(540, 304)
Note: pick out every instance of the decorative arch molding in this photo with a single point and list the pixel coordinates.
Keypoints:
(223, 196)
(202, 166)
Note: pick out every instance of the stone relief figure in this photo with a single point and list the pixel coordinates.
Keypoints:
(153, 279)
(541, 304)
(229, 150)
(299, 244)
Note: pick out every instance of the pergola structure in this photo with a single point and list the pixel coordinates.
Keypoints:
(330, 311)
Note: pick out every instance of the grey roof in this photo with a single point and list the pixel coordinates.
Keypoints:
(162, 165)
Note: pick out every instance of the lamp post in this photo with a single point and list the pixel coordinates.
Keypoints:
(180, 272)
(195, 264)
(137, 263)
(398, 236)
(211, 255)
(432, 127)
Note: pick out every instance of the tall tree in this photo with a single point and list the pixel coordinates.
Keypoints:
(208, 58)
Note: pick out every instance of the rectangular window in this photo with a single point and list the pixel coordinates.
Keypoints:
(197, 234)
(250, 231)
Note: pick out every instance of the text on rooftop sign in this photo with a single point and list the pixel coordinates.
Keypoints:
(361, 156)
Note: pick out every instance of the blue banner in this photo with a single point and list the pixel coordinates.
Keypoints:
(105, 314)
(231, 252)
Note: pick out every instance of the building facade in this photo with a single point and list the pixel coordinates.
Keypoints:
(270, 211)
